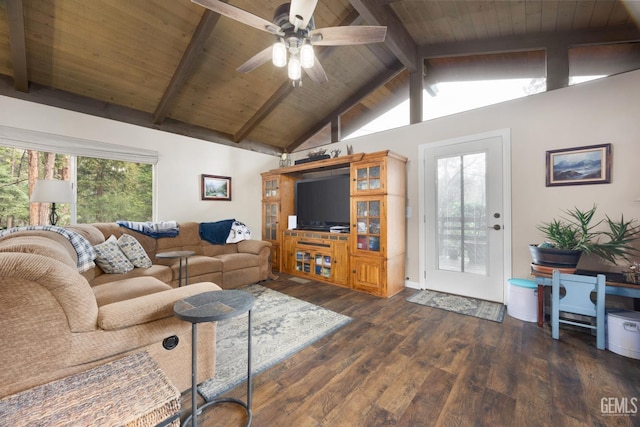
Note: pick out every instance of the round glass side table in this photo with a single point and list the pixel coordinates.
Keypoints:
(212, 307)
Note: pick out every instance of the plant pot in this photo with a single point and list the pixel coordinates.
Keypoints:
(552, 257)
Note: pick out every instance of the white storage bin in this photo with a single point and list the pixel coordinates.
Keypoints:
(523, 300)
(623, 333)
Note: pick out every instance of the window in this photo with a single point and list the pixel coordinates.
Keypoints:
(107, 190)
(455, 97)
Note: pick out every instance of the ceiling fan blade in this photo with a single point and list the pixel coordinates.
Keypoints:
(340, 36)
(301, 11)
(256, 60)
(317, 73)
(239, 15)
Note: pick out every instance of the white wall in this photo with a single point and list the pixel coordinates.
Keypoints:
(597, 112)
(181, 161)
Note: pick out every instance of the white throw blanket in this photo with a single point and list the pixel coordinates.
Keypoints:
(238, 232)
(152, 229)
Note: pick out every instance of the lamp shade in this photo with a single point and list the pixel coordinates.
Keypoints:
(294, 70)
(52, 191)
(279, 54)
(307, 57)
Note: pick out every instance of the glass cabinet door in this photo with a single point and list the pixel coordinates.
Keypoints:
(270, 188)
(368, 177)
(303, 261)
(368, 225)
(314, 263)
(270, 221)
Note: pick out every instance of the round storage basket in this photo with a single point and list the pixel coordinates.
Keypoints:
(523, 300)
(623, 333)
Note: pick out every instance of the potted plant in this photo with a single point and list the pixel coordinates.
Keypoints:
(566, 239)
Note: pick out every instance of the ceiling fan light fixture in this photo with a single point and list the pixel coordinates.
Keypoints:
(307, 56)
(279, 54)
(297, 23)
(294, 70)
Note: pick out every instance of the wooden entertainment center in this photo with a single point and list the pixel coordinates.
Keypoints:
(371, 256)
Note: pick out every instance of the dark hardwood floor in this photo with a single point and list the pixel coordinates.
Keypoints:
(399, 363)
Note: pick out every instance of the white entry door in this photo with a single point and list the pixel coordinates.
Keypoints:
(465, 211)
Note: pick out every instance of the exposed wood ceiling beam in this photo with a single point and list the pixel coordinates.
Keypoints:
(183, 71)
(265, 109)
(17, 44)
(365, 90)
(556, 46)
(522, 43)
(557, 65)
(72, 102)
(398, 39)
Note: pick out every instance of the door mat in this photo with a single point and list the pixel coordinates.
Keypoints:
(299, 280)
(462, 305)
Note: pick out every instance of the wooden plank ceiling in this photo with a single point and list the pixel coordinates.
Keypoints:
(171, 65)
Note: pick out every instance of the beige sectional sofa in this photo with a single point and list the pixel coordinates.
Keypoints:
(56, 321)
(230, 265)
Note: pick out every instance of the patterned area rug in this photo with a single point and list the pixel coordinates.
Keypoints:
(281, 326)
(458, 304)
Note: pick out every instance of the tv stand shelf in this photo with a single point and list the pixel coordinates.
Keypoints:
(371, 257)
(318, 255)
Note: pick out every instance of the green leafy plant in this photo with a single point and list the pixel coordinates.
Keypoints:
(606, 238)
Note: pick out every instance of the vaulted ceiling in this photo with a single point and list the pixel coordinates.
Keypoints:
(171, 64)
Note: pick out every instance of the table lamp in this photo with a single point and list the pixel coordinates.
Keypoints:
(52, 191)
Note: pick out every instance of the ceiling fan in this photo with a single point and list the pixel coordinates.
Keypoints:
(296, 34)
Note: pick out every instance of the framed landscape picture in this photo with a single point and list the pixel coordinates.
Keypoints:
(581, 165)
(216, 187)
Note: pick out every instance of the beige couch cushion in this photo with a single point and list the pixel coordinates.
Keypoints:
(39, 245)
(198, 265)
(51, 235)
(138, 311)
(127, 289)
(111, 228)
(89, 232)
(231, 262)
(188, 239)
(160, 272)
(69, 288)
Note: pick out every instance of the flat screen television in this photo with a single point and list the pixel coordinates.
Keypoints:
(322, 202)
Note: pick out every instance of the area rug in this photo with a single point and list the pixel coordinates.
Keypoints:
(281, 326)
(458, 304)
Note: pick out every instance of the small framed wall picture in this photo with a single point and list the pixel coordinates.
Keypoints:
(579, 166)
(216, 187)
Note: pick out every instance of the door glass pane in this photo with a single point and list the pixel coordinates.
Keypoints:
(462, 223)
(362, 208)
(374, 208)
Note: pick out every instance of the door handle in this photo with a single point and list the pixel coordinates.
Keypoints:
(496, 227)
